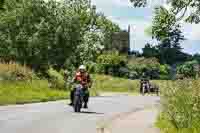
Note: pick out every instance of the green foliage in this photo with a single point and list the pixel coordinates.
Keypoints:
(131, 67)
(180, 107)
(92, 67)
(164, 69)
(88, 50)
(20, 92)
(168, 33)
(182, 9)
(56, 79)
(164, 72)
(189, 69)
(164, 22)
(100, 68)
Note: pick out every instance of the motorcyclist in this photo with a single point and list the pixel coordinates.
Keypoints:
(84, 79)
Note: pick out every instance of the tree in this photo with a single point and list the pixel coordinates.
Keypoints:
(150, 51)
(51, 33)
(167, 30)
(91, 47)
(168, 33)
(37, 32)
(180, 8)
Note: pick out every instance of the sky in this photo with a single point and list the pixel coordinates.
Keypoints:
(122, 13)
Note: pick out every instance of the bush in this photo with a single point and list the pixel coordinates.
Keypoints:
(15, 71)
(189, 69)
(133, 75)
(124, 72)
(110, 63)
(164, 69)
(100, 68)
(111, 59)
(149, 68)
(56, 79)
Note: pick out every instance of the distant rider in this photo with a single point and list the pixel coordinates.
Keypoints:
(84, 79)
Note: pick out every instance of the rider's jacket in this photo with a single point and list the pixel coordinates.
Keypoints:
(83, 78)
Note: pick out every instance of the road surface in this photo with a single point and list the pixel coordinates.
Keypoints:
(58, 117)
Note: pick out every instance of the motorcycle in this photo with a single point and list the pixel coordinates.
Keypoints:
(78, 98)
(147, 87)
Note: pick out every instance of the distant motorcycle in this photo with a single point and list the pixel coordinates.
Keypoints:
(147, 87)
(78, 98)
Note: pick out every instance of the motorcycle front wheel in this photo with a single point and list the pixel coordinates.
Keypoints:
(77, 104)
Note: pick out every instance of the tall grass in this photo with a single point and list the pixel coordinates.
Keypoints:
(15, 71)
(18, 84)
(180, 107)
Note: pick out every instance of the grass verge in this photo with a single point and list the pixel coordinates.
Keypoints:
(104, 83)
(20, 92)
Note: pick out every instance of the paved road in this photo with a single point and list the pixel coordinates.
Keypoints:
(58, 117)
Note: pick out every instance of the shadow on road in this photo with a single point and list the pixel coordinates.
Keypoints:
(90, 112)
